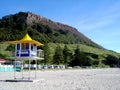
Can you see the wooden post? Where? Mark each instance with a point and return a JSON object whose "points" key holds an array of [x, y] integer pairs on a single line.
{"points": [[36, 69], [29, 70], [22, 70], [15, 69]]}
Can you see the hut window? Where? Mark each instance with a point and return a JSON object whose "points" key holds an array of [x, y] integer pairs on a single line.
{"points": [[18, 46], [25, 46]]}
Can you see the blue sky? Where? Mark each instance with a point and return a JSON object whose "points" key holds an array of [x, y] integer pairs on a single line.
{"points": [[97, 19]]}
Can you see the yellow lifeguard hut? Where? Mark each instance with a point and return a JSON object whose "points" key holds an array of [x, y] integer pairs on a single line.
{"points": [[26, 49]]}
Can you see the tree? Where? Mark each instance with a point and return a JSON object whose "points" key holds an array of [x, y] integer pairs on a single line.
{"points": [[11, 47], [67, 54], [91, 60], [76, 59], [48, 29], [58, 56], [80, 59], [112, 60], [101, 58], [47, 54]]}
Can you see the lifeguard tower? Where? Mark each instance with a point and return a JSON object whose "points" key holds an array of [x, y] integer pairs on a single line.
{"points": [[26, 49]]}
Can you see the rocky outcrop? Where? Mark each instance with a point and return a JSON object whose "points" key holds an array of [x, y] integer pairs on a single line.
{"points": [[33, 18]]}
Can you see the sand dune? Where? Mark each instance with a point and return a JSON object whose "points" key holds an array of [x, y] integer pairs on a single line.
{"points": [[87, 79]]}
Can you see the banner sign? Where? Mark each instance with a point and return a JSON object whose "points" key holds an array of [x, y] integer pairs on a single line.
{"points": [[22, 53]]}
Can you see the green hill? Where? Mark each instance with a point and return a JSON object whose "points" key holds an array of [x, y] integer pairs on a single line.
{"points": [[93, 53], [14, 27], [41, 29]]}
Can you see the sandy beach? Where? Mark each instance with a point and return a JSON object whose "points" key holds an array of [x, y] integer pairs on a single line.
{"points": [[80, 79]]}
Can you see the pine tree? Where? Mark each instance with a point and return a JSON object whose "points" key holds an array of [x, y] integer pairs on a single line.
{"points": [[79, 58], [67, 55], [47, 54], [76, 58], [58, 56]]}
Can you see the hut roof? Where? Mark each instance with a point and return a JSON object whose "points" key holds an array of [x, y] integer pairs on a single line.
{"points": [[26, 39]]}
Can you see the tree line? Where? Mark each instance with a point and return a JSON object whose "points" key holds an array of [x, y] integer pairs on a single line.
{"points": [[78, 57], [68, 55]]}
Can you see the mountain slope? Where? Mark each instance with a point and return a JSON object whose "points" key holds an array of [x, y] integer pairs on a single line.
{"points": [[53, 34], [41, 29], [32, 18]]}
